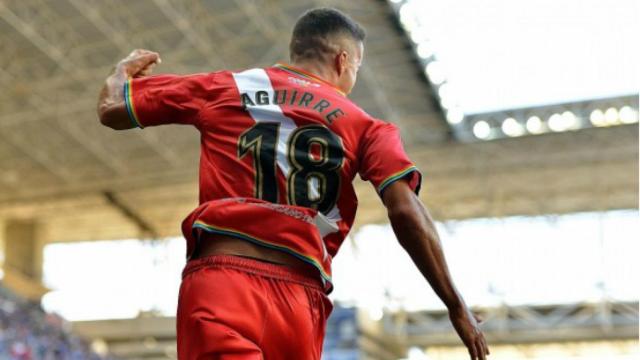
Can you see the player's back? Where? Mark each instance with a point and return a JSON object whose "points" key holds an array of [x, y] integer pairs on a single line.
{"points": [[279, 151], [276, 136]]}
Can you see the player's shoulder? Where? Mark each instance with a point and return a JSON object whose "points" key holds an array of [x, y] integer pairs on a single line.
{"points": [[191, 82], [369, 123], [201, 77], [214, 81], [214, 75]]}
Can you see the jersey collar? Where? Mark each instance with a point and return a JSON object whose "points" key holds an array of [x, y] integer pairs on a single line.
{"points": [[308, 75]]}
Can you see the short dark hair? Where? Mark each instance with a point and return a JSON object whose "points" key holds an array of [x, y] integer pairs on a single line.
{"points": [[315, 27]]}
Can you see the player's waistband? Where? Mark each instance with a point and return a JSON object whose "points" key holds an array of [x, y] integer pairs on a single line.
{"points": [[306, 277]]}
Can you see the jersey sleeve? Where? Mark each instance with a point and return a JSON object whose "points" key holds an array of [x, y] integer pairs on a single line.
{"points": [[384, 160], [168, 99]]}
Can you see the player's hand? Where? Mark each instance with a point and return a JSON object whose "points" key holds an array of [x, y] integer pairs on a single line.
{"points": [[139, 63], [466, 325]]}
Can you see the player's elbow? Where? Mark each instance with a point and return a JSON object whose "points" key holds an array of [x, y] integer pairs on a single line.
{"points": [[403, 215], [115, 117], [103, 114], [412, 224]]}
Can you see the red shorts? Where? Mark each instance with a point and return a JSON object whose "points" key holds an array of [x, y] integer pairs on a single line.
{"points": [[236, 308]]}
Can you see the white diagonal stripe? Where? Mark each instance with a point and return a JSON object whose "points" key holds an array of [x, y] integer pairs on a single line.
{"points": [[253, 80]]}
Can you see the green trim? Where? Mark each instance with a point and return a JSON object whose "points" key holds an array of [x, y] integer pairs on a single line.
{"points": [[128, 101], [292, 70], [399, 175], [243, 236]]}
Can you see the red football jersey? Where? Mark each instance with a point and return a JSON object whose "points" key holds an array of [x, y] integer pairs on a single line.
{"points": [[279, 151]]}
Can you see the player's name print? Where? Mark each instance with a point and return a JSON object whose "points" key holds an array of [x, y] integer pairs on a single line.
{"points": [[293, 98]]}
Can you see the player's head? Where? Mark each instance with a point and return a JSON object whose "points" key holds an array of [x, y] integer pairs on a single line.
{"points": [[332, 39]]}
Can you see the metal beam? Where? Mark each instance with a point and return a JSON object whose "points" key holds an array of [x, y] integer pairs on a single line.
{"points": [[380, 97], [181, 21], [126, 329], [54, 53], [51, 51], [258, 19], [523, 324], [127, 211], [35, 101], [119, 40]]}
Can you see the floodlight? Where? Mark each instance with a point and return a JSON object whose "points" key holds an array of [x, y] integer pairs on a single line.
{"points": [[627, 115], [556, 123], [534, 125], [455, 116], [611, 116], [597, 118], [482, 130], [512, 127], [424, 50], [569, 120], [435, 72]]}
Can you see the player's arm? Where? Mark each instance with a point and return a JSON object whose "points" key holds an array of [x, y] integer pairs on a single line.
{"points": [[112, 109], [417, 234]]}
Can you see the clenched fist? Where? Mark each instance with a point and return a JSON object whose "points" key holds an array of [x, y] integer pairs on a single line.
{"points": [[139, 63]]}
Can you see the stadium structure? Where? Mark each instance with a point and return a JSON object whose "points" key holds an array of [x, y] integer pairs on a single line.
{"points": [[65, 178]]}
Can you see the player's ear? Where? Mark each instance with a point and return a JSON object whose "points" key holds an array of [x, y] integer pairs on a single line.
{"points": [[341, 62]]}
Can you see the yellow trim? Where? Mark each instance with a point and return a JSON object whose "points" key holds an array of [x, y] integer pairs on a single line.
{"points": [[128, 99], [245, 236], [395, 176], [307, 74]]}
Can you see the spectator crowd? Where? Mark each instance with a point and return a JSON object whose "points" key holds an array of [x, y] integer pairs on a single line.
{"points": [[27, 332]]}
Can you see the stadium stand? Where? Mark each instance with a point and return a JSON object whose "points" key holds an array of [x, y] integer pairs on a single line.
{"points": [[27, 332]]}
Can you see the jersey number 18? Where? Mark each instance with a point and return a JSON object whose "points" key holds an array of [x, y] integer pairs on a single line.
{"points": [[262, 139]]}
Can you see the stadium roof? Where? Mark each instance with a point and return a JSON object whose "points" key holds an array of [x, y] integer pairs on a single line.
{"points": [[85, 181]]}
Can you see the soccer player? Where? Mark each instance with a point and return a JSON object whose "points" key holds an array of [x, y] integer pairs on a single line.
{"points": [[280, 147]]}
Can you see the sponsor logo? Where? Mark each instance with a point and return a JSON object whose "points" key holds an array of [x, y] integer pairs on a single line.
{"points": [[283, 209], [303, 82]]}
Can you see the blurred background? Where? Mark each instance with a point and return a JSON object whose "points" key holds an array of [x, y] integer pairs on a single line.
{"points": [[522, 116]]}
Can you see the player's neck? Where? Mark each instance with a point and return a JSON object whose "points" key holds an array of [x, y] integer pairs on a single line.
{"points": [[319, 70]]}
